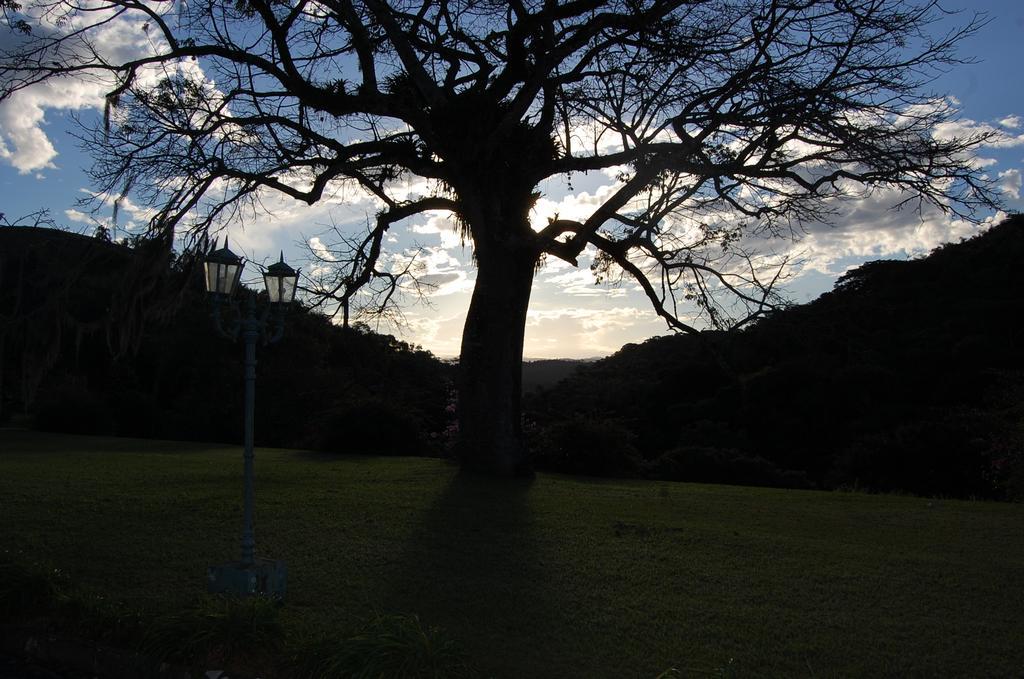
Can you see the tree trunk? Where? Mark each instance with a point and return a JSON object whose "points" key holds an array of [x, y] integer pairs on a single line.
{"points": [[490, 367]]}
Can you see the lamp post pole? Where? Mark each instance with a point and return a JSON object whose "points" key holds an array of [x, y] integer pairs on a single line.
{"points": [[249, 575], [250, 333]]}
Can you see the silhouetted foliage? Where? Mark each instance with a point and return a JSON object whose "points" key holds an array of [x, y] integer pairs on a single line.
{"points": [[71, 409], [907, 376], [70, 361], [705, 464], [589, 446], [372, 426]]}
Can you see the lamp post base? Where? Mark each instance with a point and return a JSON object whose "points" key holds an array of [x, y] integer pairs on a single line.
{"points": [[265, 577]]}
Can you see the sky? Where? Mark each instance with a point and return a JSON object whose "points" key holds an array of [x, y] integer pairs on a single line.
{"points": [[570, 316]]}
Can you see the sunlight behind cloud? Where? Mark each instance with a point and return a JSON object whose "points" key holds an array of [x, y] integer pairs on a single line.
{"points": [[585, 332]]}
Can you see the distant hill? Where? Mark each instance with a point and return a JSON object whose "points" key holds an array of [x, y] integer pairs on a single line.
{"points": [[909, 375], [547, 372]]}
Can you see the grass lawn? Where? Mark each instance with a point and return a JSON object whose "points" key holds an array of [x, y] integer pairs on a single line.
{"points": [[561, 577]]}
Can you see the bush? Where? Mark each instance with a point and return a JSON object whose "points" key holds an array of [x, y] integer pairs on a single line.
{"points": [[220, 630], [710, 433], [705, 464], [587, 446], [372, 426], [136, 415], [73, 410], [24, 592], [945, 457], [36, 595], [98, 619], [692, 463]]}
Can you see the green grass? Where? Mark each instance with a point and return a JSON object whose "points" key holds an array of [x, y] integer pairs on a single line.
{"points": [[561, 577]]}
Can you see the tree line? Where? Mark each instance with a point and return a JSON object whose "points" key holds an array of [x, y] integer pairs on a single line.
{"points": [[83, 353], [908, 376]]}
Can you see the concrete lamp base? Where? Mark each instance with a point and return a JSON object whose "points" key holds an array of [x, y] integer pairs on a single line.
{"points": [[265, 577]]}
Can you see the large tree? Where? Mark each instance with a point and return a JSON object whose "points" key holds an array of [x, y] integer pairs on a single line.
{"points": [[719, 118]]}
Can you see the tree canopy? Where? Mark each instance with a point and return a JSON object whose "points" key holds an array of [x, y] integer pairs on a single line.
{"points": [[720, 119]]}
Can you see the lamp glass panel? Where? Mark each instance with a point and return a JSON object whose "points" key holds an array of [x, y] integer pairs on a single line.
{"points": [[227, 275], [273, 288], [235, 274], [221, 278], [280, 289], [211, 276], [288, 289]]}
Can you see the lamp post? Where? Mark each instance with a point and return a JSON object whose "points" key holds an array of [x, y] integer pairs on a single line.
{"points": [[250, 575]]}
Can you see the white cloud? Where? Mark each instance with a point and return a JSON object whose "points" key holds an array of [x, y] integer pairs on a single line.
{"points": [[1010, 183], [78, 216], [1013, 122], [444, 271], [260, 234], [321, 250], [576, 206], [869, 229], [441, 272], [580, 283], [23, 140], [966, 127], [443, 226]]}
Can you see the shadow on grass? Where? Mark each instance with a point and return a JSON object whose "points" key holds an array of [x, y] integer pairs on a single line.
{"points": [[472, 565]]}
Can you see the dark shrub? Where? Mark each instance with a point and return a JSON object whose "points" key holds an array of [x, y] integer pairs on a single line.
{"points": [[753, 470], [926, 456], [709, 433], [1013, 488], [218, 630], [23, 592], [136, 414], [692, 463], [703, 464], [397, 646], [73, 410], [587, 446], [373, 427]]}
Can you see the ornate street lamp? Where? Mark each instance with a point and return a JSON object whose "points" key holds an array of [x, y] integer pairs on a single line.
{"points": [[280, 280], [223, 269], [249, 575]]}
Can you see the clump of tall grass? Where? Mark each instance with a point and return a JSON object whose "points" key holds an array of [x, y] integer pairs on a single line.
{"points": [[39, 599], [25, 592], [394, 646], [218, 631]]}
